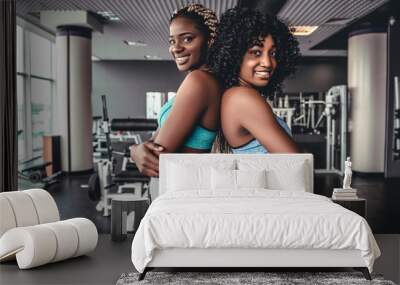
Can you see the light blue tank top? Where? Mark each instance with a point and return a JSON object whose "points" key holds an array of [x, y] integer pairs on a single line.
{"points": [[254, 145], [200, 138]]}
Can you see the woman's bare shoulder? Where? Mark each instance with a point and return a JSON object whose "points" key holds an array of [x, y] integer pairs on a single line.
{"points": [[196, 87], [200, 83], [200, 76], [242, 96]]}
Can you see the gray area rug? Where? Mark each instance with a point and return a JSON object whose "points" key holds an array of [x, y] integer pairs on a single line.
{"points": [[230, 278]]}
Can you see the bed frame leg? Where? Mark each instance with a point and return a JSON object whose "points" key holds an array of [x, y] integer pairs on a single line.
{"points": [[143, 274], [364, 271]]}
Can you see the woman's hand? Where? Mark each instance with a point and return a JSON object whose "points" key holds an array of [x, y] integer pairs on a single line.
{"points": [[145, 156]]}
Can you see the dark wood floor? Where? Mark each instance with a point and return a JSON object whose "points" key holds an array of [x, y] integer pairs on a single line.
{"points": [[383, 199]]}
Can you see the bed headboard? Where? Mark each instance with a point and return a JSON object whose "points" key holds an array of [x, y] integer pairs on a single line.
{"points": [[285, 165]]}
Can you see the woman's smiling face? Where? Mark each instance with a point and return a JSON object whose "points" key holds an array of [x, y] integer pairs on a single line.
{"points": [[187, 44], [259, 64]]}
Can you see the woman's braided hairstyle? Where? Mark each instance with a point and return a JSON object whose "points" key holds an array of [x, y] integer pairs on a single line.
{"points": [[205, 20]]}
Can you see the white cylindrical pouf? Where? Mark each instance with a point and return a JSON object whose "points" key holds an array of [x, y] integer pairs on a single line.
{"points": [[23, 208], [45, 205], [40, 244], [74, 107], [32, 246], [367, 88], [67, 240], [87, 235], [7, 218]]}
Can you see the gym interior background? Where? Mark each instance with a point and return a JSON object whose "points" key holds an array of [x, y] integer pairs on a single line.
{"points": [[343, 100]]}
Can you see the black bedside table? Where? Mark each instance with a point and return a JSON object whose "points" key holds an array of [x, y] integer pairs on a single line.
{"points": [[122, 207], [358, 205]]}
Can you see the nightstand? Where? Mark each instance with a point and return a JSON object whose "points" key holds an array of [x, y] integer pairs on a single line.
{"points": [[358, 205], [126, 214]]}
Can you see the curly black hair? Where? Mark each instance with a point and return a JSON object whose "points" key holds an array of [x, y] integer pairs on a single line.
{"points": [[241, 28]]}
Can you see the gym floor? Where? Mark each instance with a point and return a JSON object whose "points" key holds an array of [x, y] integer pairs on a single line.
{"points": [[103, 266], [111, 259]]}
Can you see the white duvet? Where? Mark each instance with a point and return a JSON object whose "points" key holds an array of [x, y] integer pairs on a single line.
{"points": [[253, 218]]}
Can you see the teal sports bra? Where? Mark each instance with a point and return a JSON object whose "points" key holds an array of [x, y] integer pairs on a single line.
{"points": [[200, 138]]}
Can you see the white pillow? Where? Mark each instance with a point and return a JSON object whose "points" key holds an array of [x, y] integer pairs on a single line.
{"points": [[183, 178], [281, 174], [193, 175], [296, 181], [226, 179], [251, 178], [223, 179]]}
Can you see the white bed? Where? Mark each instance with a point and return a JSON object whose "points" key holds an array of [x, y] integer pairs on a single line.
{"points": [[218, 210]]}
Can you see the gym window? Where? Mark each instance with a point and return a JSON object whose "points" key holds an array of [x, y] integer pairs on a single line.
{"points": [[35, 88]]}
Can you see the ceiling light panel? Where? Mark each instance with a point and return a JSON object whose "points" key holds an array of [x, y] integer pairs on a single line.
{"points": [[152, 57], [135, 44], [109, 16], [302, 30]]}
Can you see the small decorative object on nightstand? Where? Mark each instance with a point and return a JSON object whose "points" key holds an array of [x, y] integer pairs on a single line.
{"points": [[347, 196], [346, 192]]}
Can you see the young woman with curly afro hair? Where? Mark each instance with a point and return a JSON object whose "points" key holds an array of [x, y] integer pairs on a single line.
{"points": [[252, 55], [189, 121]]}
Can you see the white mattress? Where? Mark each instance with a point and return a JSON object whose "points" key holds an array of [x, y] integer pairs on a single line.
{"points": [[252, 218]]}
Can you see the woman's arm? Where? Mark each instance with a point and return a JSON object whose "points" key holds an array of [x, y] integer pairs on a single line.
{"points": [[256, 116], [190, 103], [145, 156]]}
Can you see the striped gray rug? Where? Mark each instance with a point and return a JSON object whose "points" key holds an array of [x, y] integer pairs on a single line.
{"points": [[242, 278]]}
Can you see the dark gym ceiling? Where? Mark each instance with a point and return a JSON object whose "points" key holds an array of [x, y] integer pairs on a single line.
{"points": [[147, 21]]}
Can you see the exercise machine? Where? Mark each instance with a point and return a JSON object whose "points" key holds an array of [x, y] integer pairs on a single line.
{"points": [[36, 174], [130, 184], [336, 135], [332, 122]]}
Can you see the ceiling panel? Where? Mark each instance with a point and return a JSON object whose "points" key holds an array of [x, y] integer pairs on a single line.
{"points": [[318, 13], [147, 21]]}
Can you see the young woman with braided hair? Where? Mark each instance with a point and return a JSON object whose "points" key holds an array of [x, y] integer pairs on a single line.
{"points": [[252, 55], [189, 122]]}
